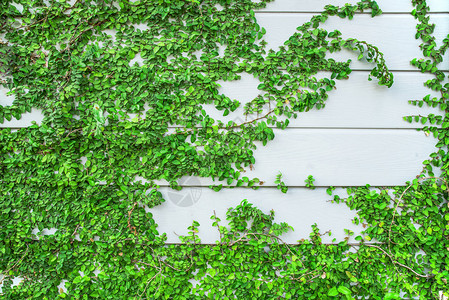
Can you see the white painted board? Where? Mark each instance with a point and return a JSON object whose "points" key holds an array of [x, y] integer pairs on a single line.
{"points": [[394, 35], [356, 103], [358, 138], [339, 157], [299, 207], [344, 157], [387, 6]]}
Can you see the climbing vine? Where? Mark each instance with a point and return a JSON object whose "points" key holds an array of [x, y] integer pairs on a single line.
{"points": [[109, 120]]}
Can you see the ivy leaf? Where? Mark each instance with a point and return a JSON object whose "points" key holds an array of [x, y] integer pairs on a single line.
{"points": [[77, 280], [344, 290], [333, 292]]}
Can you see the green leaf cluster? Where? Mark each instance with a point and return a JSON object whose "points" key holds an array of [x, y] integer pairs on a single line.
{"points": [[114, 129]]}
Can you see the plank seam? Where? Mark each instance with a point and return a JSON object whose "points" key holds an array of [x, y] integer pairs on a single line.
{"points": [[299, 127], [289, 186], [356, 13]]}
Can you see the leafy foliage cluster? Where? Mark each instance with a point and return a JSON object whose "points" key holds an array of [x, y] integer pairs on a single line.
{"points": [[309, 182], [280, 184], [77, 171]]}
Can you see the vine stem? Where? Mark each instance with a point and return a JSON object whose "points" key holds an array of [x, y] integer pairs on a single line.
{"points": [[303, 275], [158, 273], [75, 130], [148, 282], [46, 16], [248, 122], [73, 39], [131, 228], [397, 205], [16, 264], [234, 126], [219, 231], [398, 263], [263, 234], [218, 225], [76, 229]]}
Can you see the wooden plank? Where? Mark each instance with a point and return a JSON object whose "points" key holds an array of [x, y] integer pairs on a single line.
{"points": [[394, 35], [299, 207], [25, 121], [344, 157], [357, 103], [338, 157], [387, 6], [27, 118]]}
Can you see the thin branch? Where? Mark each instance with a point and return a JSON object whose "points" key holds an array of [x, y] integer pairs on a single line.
{"points": [[254, 120], [397, 205], [75, 130], [76, 229], [263, 234], [131, 228], [299, 278], [234, 126], [218, 226], [398, 263], [168, 265], [46, 16], [148, 282], [73, 39], [16, 264], [310, 280]]}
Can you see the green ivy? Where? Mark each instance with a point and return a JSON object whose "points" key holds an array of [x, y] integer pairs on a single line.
{"points": [[280, 184], [77, 170], [309, 182]]}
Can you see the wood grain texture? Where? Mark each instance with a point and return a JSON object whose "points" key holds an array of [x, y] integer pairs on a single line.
{"points": [[338, 157], [388, 6], [394, 35], [299, 207]]}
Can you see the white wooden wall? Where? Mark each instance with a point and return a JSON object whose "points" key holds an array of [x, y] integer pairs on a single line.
{"points": [[358, 138]]}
